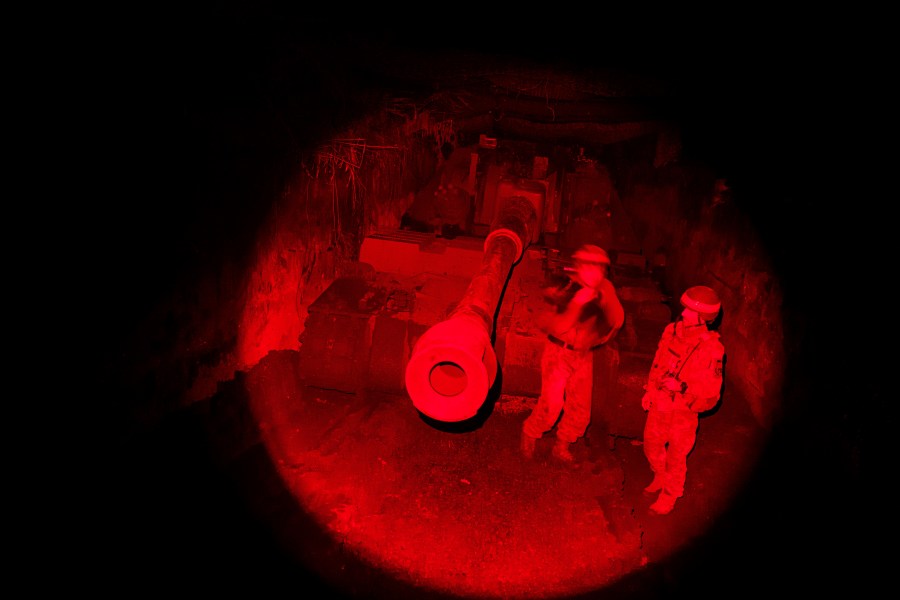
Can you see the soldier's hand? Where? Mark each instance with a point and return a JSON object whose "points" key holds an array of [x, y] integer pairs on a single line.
{"points": [[585, 295], [671, 384]]}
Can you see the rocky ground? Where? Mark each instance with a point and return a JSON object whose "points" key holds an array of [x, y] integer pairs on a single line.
{"points": [[273, 484]]}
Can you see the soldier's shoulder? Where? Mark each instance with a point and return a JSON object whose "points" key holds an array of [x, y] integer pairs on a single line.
{"points": [[713, 341]]}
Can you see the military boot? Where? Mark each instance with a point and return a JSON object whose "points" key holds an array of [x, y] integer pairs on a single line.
{"points": [[664, 504], [561, 452]]}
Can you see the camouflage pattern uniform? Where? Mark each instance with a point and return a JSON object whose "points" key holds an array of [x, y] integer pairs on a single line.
{"points": [[567, 364], [694, 356]]}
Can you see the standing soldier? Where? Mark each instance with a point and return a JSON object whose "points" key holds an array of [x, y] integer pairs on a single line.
{"points": [[685, 380], [583, 313]]}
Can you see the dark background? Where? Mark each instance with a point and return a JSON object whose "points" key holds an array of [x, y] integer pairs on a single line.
{"points": [[200, 110]]}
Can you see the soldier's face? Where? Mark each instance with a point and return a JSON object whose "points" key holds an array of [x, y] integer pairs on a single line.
{"points": [[591, 274], [690, 317]]}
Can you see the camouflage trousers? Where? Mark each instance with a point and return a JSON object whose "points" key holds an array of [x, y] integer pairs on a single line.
{"points": [[567, 378], [669, 437]]}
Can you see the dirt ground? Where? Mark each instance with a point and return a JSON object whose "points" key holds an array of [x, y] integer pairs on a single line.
{"points": [[271, 488], [362, 496]]}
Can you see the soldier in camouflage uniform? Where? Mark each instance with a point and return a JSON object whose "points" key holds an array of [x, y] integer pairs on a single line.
{"points": [[685, 380], [584, 313]]}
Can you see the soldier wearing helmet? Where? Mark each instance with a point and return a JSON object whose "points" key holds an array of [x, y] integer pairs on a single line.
{"points": [[582, 314], [685, 379]]}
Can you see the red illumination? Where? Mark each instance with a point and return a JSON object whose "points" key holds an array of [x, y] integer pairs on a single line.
{"points": [[461, 512], [448, 379]]}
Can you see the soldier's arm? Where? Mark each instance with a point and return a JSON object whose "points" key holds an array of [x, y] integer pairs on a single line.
{"points": [[660, 359], [612, 311]]}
